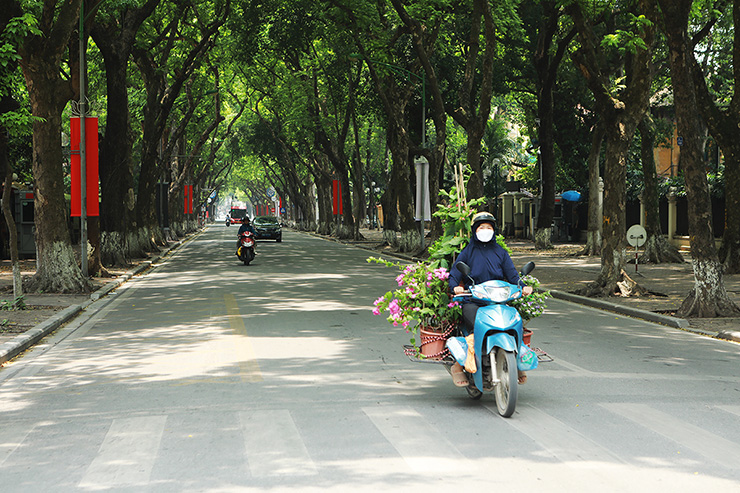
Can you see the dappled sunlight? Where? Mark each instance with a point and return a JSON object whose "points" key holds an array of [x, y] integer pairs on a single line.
{"points": [[312, 306]]}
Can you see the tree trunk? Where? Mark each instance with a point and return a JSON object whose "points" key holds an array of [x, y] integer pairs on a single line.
{"points": [[709, 296], [723, 123], [595, 214], [7, 171], [546, 66], [57, 269], [546, 162], [620, 115], [614, 245], [657, 248], [729, 254]]}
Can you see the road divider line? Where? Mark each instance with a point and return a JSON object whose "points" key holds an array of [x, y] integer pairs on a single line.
{"points": [[249, 369], [127, 454], [711, 446], [274, 446]]}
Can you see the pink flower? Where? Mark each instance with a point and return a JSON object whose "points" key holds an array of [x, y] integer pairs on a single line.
{"points": [[376, 311], [453, 304]]}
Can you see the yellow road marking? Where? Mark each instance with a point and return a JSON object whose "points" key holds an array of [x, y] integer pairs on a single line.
{"points": [[249, 369]]}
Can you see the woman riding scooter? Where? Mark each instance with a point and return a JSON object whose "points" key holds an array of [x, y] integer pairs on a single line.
{"points": [[488, 261]]}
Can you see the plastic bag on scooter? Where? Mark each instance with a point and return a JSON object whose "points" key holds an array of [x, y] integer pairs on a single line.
{"points": [[458, 348], [527, 359]]}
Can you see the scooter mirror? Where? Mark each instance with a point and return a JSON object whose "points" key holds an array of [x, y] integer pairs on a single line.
{"points": [[465, 269], [528, 267]]}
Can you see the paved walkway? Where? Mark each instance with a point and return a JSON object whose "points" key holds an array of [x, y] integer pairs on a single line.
{"points": [[558, 270]]}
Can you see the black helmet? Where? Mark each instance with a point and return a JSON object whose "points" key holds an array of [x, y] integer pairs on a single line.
{"points": [[245, 219], [483, 217]]}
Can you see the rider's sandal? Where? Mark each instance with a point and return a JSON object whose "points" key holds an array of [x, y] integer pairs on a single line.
{"points": [[459, 378], [522, 378]]}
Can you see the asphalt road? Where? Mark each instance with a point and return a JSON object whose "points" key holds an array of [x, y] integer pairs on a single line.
{"points": [[206, 375]]}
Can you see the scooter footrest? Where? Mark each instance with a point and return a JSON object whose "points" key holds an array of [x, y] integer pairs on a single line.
{"points": [[542, 356], [413, 354]]}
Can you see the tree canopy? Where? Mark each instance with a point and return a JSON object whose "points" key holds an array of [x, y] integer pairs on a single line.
{"points": [[331, 103]]}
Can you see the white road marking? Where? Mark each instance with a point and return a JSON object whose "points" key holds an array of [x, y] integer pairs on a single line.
{"points": [[274, 446], [11, 437], [708, 444], [421, 445], [127, 454]]}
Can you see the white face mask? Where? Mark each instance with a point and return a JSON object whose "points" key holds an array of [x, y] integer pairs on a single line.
{"points": [[484, 235]]}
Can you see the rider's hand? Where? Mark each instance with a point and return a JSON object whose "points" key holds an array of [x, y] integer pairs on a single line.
{"points": [[527, 290], [458, 290]]}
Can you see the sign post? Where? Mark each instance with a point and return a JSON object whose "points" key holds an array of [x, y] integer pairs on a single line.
{"points": [[636, 237]]}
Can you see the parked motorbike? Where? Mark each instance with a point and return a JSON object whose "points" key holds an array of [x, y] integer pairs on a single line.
{"points": [[245, 252], [500, 351], [228, 222]]}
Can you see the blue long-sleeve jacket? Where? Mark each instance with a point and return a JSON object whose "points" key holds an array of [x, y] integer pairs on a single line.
{"points": [[487, 261]]}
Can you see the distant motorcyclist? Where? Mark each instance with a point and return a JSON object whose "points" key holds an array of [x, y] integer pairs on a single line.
{"points": [[246, 226]]}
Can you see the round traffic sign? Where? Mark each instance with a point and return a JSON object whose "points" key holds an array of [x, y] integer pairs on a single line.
{"points": [[636, 236]]}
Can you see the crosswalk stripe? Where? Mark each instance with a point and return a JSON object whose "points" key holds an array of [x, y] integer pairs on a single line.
{"points": [[11, 437], [274, 446], [561, 440], [708, 444], [127, 454], [418, 443], [731, 409]]}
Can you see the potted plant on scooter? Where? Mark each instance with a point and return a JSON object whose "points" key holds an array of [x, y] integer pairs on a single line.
{"points": [[420, 304]]}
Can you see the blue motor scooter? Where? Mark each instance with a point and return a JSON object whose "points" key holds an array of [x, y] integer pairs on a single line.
{"points": [[500, 351]]}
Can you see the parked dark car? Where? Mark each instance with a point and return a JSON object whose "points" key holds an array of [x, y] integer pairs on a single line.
{"points": [[268, 227]]}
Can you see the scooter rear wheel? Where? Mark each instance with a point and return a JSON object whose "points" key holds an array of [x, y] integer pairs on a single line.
{"points": [[507, 386]]}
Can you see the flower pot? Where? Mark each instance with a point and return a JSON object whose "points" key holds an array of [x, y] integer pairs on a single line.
{"points": [[526, 336], [432, 342]]}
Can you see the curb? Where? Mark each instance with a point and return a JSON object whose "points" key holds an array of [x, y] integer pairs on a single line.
{"points": [[14, 347], [679, 323]]}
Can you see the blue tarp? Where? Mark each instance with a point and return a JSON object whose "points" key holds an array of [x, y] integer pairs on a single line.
{"points": [[571, 196]]}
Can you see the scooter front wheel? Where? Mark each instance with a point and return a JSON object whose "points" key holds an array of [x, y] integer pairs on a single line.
{"points": [[507, 386]]}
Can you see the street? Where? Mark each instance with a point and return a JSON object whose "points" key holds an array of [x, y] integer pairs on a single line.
{"points": [[208, 375]]}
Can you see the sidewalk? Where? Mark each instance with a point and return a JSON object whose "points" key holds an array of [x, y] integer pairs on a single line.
{"points": [[561, 272]]}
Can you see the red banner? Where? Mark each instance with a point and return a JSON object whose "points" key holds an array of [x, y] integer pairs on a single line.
{"points": [[188, 194], [91, 167], [336, 190]]}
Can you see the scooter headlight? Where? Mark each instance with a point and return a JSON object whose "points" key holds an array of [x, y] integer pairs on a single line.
{"points": [[497, 294]]}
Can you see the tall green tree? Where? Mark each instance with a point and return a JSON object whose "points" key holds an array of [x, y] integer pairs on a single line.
{"points": [[114, 32], [621, 104], [552, 43], [709, 296], [721, 112], [49, 90], [199, 24], [15, 120]]}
